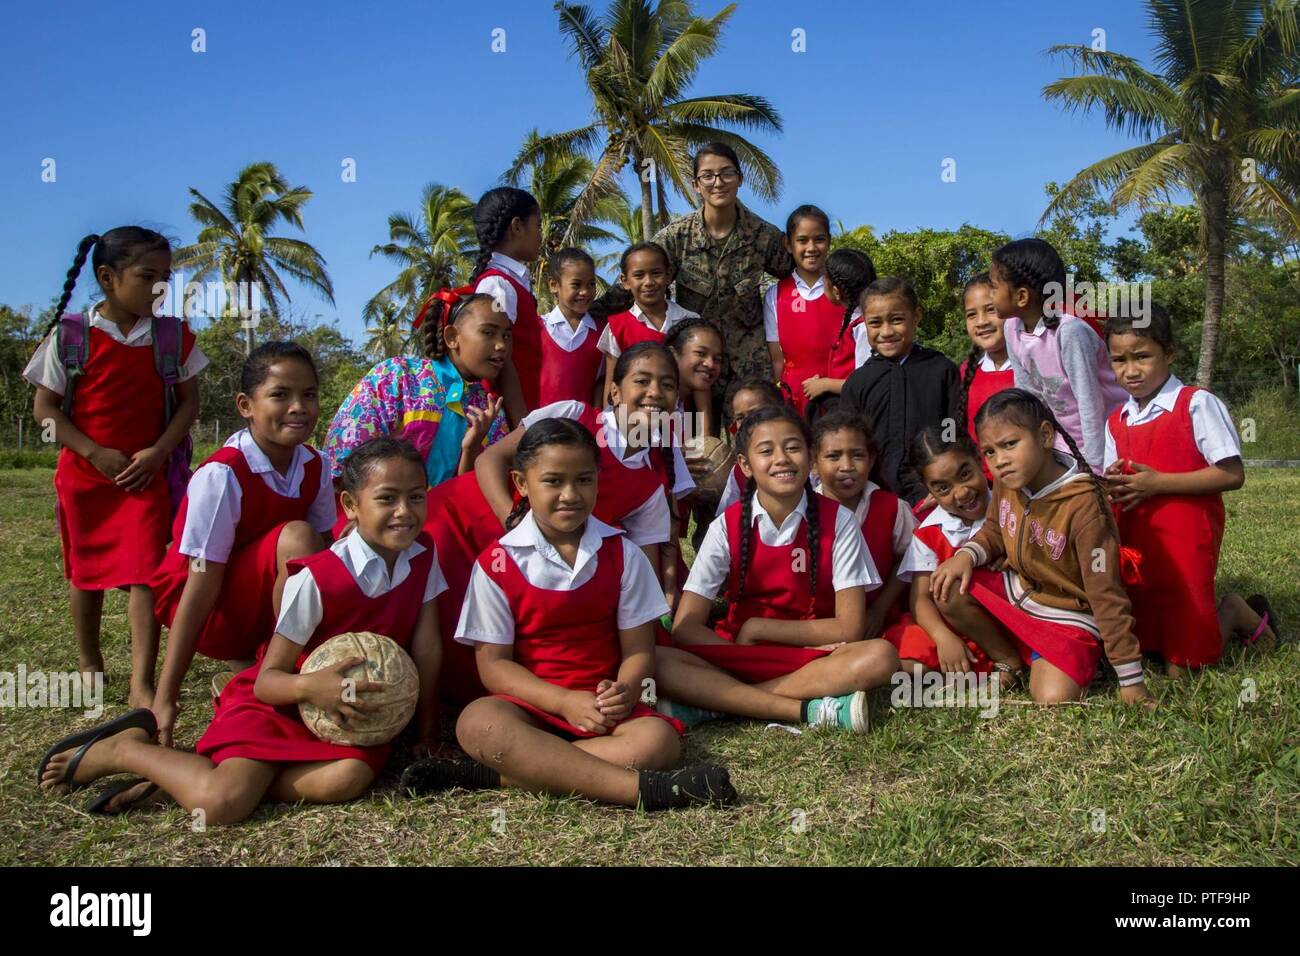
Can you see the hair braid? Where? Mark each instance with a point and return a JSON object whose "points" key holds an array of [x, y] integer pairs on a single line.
{"points": [[493, 213], [1033, 264], [963, 397], [746, 529], [517, 513], [813, 517], [69, 283], [434, 345], [1086, 468]]}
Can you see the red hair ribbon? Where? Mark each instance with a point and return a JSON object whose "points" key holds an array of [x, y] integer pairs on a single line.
{"points": [[448, 296]]}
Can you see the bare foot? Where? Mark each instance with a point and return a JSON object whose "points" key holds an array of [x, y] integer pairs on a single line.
{"points": [[141, 696], [1176, 671], [143, 794], [100, 761]]}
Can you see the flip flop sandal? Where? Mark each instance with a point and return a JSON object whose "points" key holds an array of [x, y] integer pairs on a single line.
{"points": [[1267, 618], [101, 800], [141, 717], [1014, 681]]}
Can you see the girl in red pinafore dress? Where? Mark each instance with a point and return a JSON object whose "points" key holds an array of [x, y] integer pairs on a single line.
{"points": [[381, 577], [573, 367], [467, 513], [1171, 452], [848, 273], [950, 468], [508, 223], [112, 494], [255, 504], [987, 369], [560, 612], [800, 321], [796, 570], [646, 273], [845, 449]]}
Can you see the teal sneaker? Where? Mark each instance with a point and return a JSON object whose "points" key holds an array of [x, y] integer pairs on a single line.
{"points": [[857, 712], [688, 715]]}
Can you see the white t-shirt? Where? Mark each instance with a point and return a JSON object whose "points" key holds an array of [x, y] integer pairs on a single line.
{"points": [[215, 498], [1212, 428], [851, 564], [562, 333], [920, 557], [486, 618], [507, 300], [805, 291], [46, 368], [301, 609], [649, 522], [672, 315]]}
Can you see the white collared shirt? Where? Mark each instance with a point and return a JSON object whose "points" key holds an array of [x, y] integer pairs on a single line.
{"points": [[904, 520], [649, 522], [215, 498], [301, 609], [486, 617], [563, 334], [1212, 428], [672, 315], [503, 292], [920, 557], [851, 564], [988, 365], [805, 291], [46, 367], [862, 349], [1070, 474]]}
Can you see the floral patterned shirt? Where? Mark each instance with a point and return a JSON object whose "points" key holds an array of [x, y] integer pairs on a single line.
{"points": [[416, 398]]}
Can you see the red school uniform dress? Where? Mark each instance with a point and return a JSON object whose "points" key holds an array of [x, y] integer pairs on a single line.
{"points": [[625, 329], [988, 381], [935, 540], [562, 621], [111, 538], [851, 348], [1178, 536], [506, 280], [807, 329], [773, 588], [887, 525], [632, 492], [572, 362], [247, 727], [234, 477]]}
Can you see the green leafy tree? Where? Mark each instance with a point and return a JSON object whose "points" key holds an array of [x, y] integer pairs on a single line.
{"points": [[235, 242], [1220, 119], [638, 59]]}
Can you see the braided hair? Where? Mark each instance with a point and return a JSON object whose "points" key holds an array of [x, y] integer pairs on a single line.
{"points": [[1028, 411], [850, 271], [806, 211], [761, 416], [493, 213], [1033, 264], [974, 355], [679, 336], [117, 249], [933, 441], [569, 255], [358, 465], [439, 317], [623, 366], [548, 431]]}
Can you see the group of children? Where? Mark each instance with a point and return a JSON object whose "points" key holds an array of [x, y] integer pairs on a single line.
{"points": [[886, 511]]}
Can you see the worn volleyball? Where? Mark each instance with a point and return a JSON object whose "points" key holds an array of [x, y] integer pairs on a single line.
{"points": [[394, 703], [713, 450]]}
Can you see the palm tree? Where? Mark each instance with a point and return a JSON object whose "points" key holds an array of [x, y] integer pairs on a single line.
{"points": [[639, 59], [235, 242], [556, 177], [434, 249], [386, 336], [1220, 120]]}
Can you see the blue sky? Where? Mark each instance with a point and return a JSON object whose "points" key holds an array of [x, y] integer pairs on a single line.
{"points": [[413, 92]]}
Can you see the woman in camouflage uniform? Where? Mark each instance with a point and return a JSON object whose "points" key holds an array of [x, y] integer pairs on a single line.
{"points": [[720, 252]]}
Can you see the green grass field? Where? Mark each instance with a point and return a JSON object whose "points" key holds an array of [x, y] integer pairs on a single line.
{"points": [[1211, 778]]}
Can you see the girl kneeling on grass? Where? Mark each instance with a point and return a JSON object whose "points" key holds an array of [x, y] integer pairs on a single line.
{"points": [[561, 612], [1061, 592], [383, 577], [790, 646]]}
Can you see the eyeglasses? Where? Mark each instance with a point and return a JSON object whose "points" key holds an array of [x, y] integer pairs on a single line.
{"points": [[709, 177]]}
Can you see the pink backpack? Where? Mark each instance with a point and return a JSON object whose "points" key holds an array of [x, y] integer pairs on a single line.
{"points": [[73, 343]]}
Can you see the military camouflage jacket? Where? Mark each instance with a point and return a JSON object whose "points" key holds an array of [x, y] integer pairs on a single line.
{"points": [[722, 281]]}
